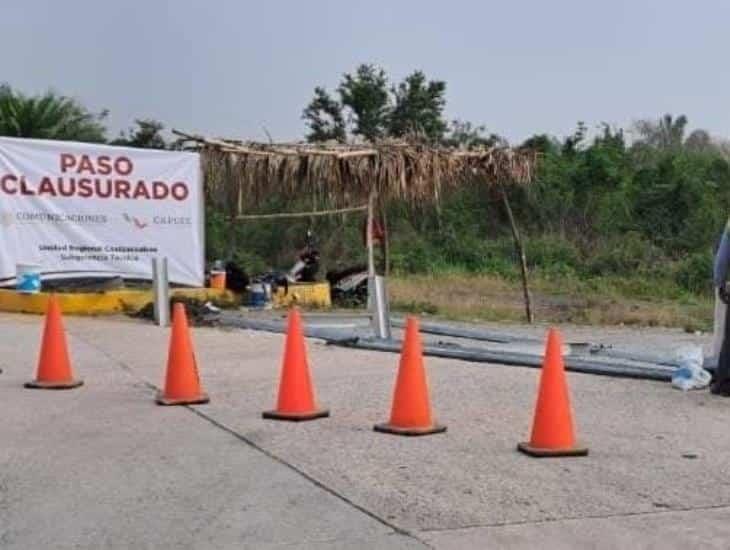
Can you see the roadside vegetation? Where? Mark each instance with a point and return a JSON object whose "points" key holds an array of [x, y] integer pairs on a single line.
{"points": [[619, 224]]}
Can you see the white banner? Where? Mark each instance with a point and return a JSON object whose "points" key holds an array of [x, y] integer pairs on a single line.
{"points": [[79, 209]]}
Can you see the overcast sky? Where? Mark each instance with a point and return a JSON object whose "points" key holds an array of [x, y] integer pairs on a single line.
{"points": [[231, 68]]}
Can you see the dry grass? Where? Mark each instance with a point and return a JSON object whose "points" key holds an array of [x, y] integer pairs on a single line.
{"points": [[240, 174], [490, 298]]}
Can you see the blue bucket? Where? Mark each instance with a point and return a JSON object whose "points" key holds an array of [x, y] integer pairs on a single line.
{"points": [[257, 295], [28, 278]]}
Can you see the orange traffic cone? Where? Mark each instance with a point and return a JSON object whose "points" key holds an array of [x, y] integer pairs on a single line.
{"points": [[296, 396], [552, 428], [54, 366], [411, 411], [182, 383]]}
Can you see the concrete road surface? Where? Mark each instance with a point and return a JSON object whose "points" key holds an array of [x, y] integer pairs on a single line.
{"points": [[104, 467]]}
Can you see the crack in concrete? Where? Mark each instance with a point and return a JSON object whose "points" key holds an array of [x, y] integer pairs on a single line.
{"points": [[307, 476], [317, 483], [575, 518]]}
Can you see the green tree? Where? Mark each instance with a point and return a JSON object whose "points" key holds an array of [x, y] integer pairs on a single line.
{"points": [[579, 189], [541, 143], [145, 136], [666, 133], [576, 140], [48, 116], [366, 95], [465, 135], [699, 141], [681, 201], [419, 106], [324, 118], [368, 108]]}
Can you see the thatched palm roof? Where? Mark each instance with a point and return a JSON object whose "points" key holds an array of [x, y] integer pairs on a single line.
{"points": [[344, 175]]}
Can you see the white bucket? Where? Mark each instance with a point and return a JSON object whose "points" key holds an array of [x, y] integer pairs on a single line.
{"points": [[28, 278]]}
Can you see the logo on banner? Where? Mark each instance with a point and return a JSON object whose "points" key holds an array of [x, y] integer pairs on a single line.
{"points": [[135, 221]]}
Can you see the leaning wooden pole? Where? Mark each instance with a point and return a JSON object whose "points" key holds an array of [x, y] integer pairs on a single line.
{"points": [[519, 247]]}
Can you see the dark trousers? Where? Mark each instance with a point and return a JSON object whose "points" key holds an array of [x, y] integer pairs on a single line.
{"points": [[722, 374]]}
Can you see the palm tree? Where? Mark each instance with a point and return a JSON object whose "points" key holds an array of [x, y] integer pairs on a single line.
{"points": [[48, 116], [669, 134], [664, 133]]}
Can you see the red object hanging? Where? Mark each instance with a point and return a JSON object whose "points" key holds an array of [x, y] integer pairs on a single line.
{"points": [[378, 232]]}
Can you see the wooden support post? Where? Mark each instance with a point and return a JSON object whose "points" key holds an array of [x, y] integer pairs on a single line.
{"points": [[231, 230], [233, 210], [520, 252]]}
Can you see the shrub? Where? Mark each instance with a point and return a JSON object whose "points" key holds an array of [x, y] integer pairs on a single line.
{"points": [[694, 273], [623, 255], [552, 252]]}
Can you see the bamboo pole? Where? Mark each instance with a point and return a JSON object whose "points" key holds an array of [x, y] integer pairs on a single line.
{"points": [[519, 247], [300, 214], [229, 223], [274, 150]]}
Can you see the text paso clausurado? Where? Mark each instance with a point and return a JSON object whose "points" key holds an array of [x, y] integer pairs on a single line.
{"points": [[82, 177]]}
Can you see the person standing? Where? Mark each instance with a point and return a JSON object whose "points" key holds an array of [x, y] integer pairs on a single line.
{"points": [[721, 338]]}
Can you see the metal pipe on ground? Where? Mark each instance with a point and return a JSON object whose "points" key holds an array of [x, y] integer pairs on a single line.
{"points": [[641, 357], [463, 332], [354, 340], [333, 336], [587, 348], [521, 359]]}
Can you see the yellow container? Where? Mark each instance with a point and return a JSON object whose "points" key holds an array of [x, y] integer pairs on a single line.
{"points": [[304, 294], [101, 303]]}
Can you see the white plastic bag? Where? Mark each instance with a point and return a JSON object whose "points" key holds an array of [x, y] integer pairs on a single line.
{"points": [[690, 374]]}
